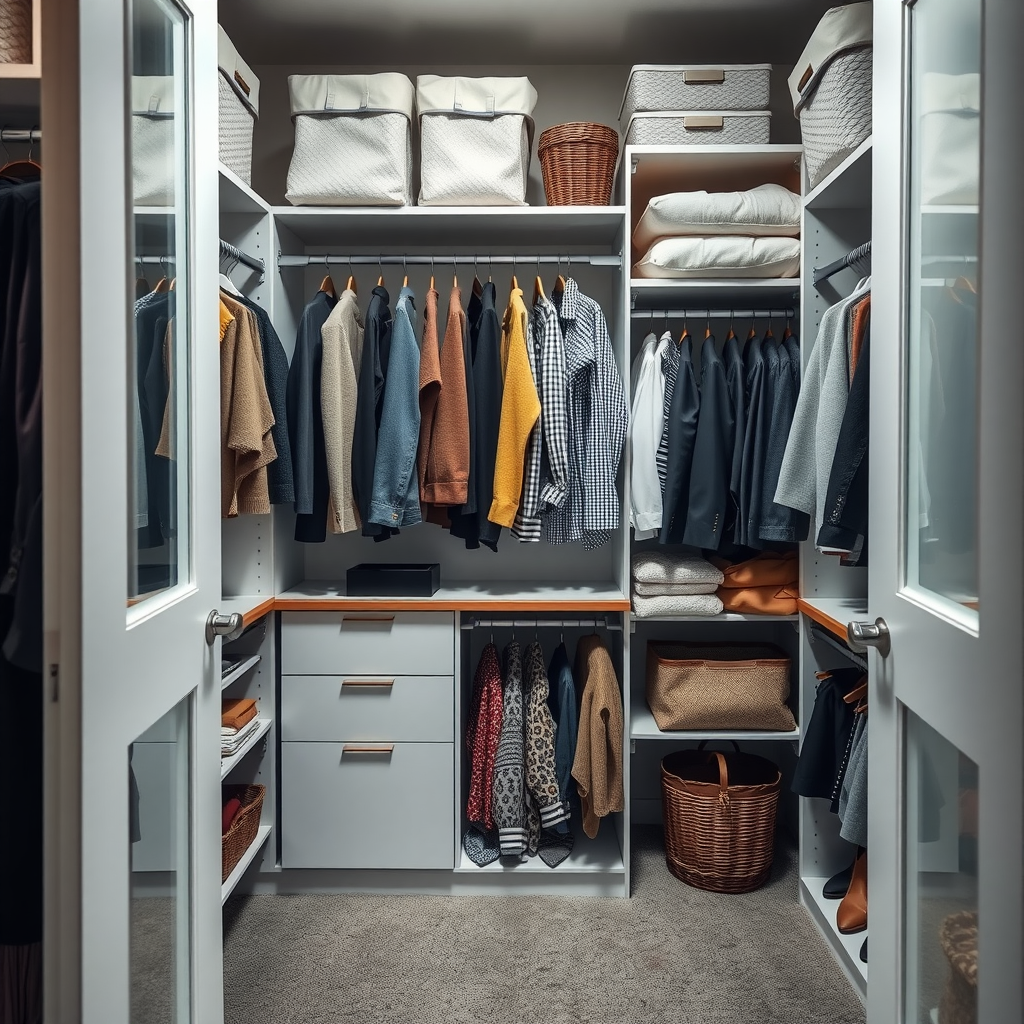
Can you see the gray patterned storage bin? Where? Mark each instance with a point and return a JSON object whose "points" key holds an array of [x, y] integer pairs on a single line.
{"points": [[831, 89], [695, 87], [699, 128], [238, 95]]}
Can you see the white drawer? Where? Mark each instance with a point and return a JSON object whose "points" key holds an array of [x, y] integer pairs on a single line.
{"points": [[389, 708], [370, 643], [348, 806]]}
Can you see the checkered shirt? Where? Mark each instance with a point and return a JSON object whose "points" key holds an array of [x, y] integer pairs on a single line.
{"points": [[598, 419]]}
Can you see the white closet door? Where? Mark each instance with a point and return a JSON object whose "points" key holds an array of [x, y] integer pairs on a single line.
{"points": [[132, 531], [947, 503]]}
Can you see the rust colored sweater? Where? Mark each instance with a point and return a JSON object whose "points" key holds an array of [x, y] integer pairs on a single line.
{"points": [[444, 459]]}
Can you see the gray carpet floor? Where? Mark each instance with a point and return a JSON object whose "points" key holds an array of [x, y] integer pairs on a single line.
{"points": [[669, 954]]}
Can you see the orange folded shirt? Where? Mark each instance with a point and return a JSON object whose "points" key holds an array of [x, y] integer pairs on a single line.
{"points": [[236, 713], [770, 600], [763, 570]]}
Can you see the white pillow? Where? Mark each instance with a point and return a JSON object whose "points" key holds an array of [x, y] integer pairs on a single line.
{"points": [[765, 210], [721, 256]]}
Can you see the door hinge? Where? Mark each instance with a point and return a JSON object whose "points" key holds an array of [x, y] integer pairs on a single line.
{"points": [[54, 683]]}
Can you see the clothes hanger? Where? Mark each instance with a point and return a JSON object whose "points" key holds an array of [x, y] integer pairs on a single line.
{"points": [[560, 280], [707, 329], [351, 285], [515, 283], [787, 333], [431, 273], [538, 289], [227, 284], [753, 333], [732, 333], [768, 333], [20, 168], [455, 272], [684, 335], [405, 273], [163, 284], [858, 693], [380, 267], [478, 288], [141, 284]]}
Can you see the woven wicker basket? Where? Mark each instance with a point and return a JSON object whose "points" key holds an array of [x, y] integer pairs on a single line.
{"points": [[719, 812], [578, 163], [243, 829]]}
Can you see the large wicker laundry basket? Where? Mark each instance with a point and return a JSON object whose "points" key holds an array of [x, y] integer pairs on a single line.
{"points": [[719, 811]]}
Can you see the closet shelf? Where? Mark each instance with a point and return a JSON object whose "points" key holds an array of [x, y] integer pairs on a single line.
{"points": [[723, 617], [834, 612], [661, 169], [511, 596], [237, 197], [642, 726], [589, 856], [238, 670], [771, 293], [845, 947], [247, 858], [848, 187], [229, 763], [487, 228], [251, 608]]}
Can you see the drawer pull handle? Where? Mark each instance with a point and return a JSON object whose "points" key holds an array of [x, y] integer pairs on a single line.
{"points": [[379, 683], [368, 618], [387, 748]]}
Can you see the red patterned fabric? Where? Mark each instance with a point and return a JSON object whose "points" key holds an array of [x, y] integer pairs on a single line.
{"points": [[482, 734]]}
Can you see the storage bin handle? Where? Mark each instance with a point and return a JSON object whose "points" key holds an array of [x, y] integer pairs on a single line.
{"points": [[723, 770], [694, 76], [382, 683], [702, 123]]}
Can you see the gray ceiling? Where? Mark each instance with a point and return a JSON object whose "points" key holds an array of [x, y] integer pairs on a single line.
{"points": [[446, 32]]}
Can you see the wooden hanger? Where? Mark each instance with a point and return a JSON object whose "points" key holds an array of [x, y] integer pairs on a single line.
{"points": [[405, 271], [351, 285], [21, 168], [707, 328], [787, 333], [560, 279], [163, 285], [327, 285], [859, 692], [538, 290]]}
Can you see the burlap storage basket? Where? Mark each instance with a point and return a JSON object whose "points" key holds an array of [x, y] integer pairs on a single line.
{"points": [[243, 829], [719, 686], [958, 937], [719, 812]]}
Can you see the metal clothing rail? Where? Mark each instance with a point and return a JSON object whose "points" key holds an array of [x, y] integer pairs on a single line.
{"points": [[859, 259], [24, 135], [391, 260], [605, 622], [712, 314], [830, 641], [254, 263]]}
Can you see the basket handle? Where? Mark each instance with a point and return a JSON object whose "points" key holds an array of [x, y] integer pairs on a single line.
{"points": [[723, 771]]}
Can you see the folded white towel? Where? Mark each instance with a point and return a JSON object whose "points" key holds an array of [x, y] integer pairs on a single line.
{"points": [[673, 589], [695, 604], [662, 567], [229, 744]]}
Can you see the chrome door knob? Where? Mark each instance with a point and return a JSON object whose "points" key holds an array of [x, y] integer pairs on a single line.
{"points": [[862, 635], [228, 626]]}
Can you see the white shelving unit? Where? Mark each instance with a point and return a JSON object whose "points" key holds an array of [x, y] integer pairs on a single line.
{"points": [[644, 727], [589, 856], [247, 858], [723, 617], [848, 185], [845, 948], [238, 670], [229, 763]]}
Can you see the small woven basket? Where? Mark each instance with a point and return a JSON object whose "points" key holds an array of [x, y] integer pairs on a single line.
{"points": [[719, 812], [243, 829], [578, 163]]}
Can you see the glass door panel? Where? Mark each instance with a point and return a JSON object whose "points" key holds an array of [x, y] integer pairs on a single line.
{"points": [[159, 343], [941, 542]]}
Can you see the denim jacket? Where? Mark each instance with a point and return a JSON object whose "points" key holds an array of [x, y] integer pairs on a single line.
{"points": [[395, 500]]}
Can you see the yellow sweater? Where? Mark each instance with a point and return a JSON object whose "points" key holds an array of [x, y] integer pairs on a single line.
{"points": [[520, 409]]}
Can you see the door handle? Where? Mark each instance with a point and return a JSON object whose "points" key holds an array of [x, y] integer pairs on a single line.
{"points": [[862, 635], [228, 626]]}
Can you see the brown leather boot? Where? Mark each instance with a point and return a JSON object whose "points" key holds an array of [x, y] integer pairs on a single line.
{"points": [[852, 915]]}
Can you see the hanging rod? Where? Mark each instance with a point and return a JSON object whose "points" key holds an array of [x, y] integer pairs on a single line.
{"points": [[712, 314], [27, 135], [254, 263], [830, 641], [605, 622], [155, 259], [860, 255], [595, 260]]}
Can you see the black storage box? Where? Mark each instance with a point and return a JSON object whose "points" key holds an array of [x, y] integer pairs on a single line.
{"points": [[393, 579]]}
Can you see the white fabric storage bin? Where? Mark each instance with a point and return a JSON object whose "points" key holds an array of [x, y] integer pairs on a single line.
{"points": [[699, 128], [695, 87], [352, 140], [476, 135], [238, 93], [153, 140], [950, 138], [831, 89]]}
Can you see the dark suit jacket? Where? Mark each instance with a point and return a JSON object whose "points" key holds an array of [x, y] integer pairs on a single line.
{"points": [[712, 454], [682, 435]]}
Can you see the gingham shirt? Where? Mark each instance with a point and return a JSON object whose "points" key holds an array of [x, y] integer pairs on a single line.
{"points": [[546, 482], [598, 418]]}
